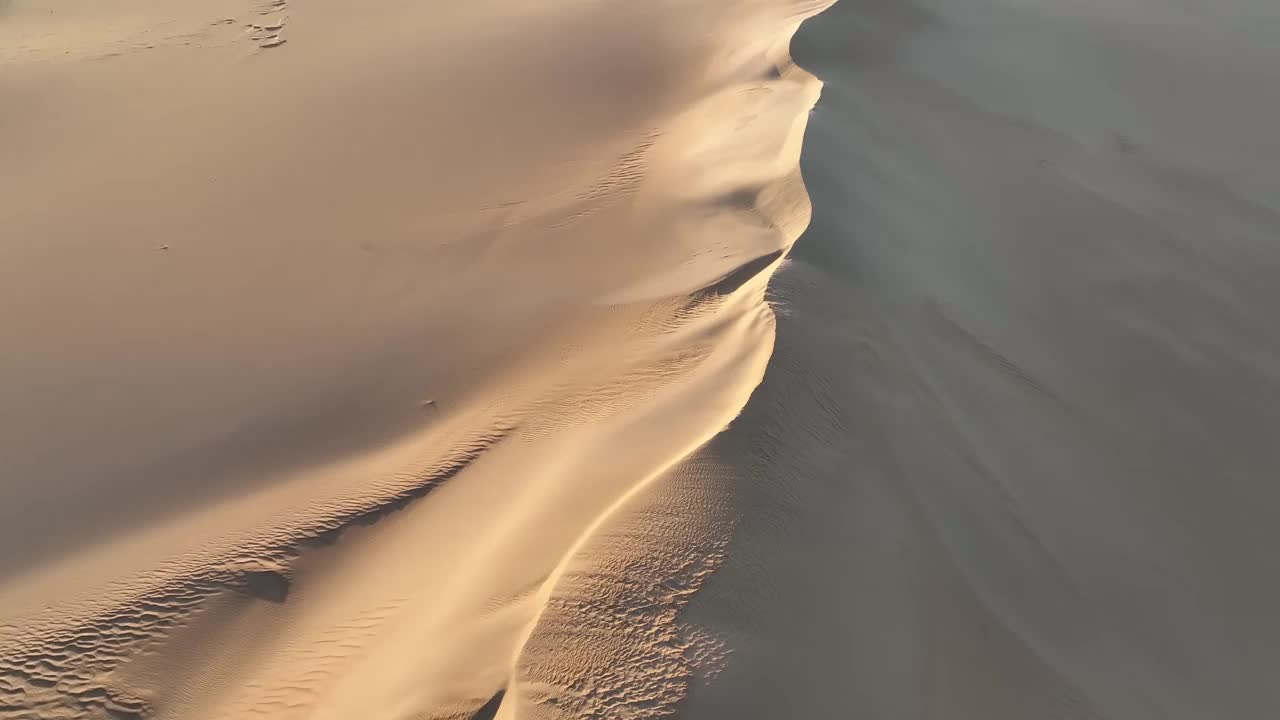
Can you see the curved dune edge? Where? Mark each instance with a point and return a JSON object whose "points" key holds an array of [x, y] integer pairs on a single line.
{"points": [[535, 542], [623, 590], [1006, 461]]}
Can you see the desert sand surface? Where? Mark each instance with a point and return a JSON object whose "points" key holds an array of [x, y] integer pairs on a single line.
{"points": [[562, 359]]}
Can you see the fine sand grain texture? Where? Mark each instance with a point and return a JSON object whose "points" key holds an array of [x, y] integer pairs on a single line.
{"points": [[448, 360], [355, 353], [1015, 454]]}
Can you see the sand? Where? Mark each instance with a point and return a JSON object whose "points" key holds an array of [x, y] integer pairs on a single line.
{"points": [[453, 360]]}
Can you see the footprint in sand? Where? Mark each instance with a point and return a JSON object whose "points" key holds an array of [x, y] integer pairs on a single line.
{"points": [[269, 33]]}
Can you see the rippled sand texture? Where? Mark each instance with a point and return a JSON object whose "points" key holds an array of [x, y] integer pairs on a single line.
{"points": [[439, 361], [357, 355]]}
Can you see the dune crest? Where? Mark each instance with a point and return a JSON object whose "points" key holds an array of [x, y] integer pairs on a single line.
{"points": [[419, 332]]}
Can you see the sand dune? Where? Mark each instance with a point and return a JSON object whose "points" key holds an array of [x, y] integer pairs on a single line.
{"points": [[1013, 456], [353, 340], [453, 360]]}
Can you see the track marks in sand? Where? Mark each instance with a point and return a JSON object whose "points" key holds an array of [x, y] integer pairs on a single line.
{"points": [[269, 31], [47, 31]]}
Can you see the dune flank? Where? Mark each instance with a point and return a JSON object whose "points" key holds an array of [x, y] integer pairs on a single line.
{"points": [[565, 359], [363, 349], [1013, 456]]}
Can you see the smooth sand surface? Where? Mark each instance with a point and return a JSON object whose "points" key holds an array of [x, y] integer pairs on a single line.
{"points": [[452, 360], [1015, 454]]}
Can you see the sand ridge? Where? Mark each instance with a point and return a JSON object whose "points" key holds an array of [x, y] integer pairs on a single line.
{"points": [[387, 400], [456, 361]]}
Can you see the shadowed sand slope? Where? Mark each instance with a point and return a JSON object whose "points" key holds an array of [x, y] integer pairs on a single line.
{"points": [[1015, 452], [442, 361], [355, 353]]}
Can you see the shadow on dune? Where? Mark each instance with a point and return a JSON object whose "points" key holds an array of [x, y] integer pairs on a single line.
{"points": [[1011, 458]]}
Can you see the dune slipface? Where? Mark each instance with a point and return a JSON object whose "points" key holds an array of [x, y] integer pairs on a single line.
{"points": [[1014, 455], [452, 361], [358, 357]]}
